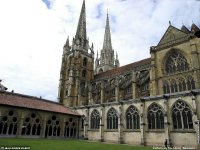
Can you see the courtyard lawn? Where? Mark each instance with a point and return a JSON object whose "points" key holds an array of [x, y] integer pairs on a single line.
{"points": [[52, 144]]}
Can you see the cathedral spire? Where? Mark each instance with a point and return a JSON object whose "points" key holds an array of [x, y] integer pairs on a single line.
{"points": [[81, 34], [107, 45]]}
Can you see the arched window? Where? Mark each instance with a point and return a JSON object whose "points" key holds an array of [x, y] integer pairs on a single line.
{"points": [[70, 128], [8, 123], [182, 85], [166, 87], [112, 119], [132, 118], [182, 116], [31, 125], [95, 119], [155, 117], [176, 62], [190, 83], [85, 61], [174, 86], [52, 126]]}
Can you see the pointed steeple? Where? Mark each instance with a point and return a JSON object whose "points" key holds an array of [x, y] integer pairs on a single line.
{"points": [[107, 45], [81, 34], [67, 42]]}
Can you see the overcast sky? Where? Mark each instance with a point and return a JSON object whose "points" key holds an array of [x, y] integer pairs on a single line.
{"points": [[33, 32]]}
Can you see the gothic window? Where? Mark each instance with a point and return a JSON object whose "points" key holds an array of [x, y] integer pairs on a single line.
{"points": [[95, 120], [52, 126], [8, 123], [166, 87], [70, 128], [112, 119], [182, 116], [31, 125], [176, 62], [155, 117], [182, 85], [85, 61], [128, 90], [174, 86], [132, 118], [190, 83]]}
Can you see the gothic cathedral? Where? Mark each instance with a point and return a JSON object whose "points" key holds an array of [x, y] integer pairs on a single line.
{"points": [[147, 102]]}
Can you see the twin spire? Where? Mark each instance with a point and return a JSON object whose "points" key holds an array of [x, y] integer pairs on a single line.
{"points": [[81, 33]]}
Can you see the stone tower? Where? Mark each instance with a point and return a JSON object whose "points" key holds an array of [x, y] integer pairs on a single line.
{"points": [[77, 67], [107, 60]]}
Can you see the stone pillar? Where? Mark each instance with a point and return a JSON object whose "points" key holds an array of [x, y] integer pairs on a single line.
{"points": [[134, 88], [62, 128], [90, 94], [196, 118], [166, 121], [120, 125], [142, 122], [117, 90], [195, 63], [102, 92], [153, 87], [102, 121], [76, 100], [20, 125], [86, 123], [44, 127]]}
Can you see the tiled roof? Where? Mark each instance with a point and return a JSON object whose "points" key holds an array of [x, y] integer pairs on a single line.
{"points": [[24, 101], [123, 68]]}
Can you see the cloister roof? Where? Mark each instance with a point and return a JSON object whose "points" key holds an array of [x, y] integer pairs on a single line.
{"points": [[25, 101]]}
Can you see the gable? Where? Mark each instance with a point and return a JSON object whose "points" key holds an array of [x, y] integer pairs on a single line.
{"points": [[172, 34]]}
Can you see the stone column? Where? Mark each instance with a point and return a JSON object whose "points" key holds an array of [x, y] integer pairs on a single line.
{"points": [[120, 125], [102, 121], [102, 92], [62, 128], [166, 121], [117, 90], [90, 94], [195, 63], [196, 118], [20, 125], [76, 100], [142, 122], [86, 123], [44, 127], [153, 87], [134, 88]]}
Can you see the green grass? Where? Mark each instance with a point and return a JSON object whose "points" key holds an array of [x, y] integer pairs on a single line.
{"points": [[55, 144]]}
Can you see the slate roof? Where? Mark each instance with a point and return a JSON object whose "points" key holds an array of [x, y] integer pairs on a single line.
{"points": [[25, 101], [122, 69]]}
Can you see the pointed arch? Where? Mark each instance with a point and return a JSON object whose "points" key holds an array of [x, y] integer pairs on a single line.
{"points": [[95, 119], [132, 118], [176, 62], [190, 82], [182, 115], [155, 116], [166, 87], [112, 119]]}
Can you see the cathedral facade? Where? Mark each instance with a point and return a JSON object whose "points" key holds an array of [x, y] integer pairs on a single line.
{"points": [[147, 102]]}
